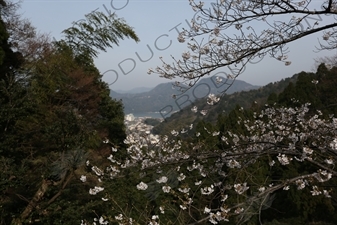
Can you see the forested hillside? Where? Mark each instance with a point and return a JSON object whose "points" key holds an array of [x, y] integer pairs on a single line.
{"points": [[55, 113], [265, 156], [269, 163], [296, 207], [228, 102]]}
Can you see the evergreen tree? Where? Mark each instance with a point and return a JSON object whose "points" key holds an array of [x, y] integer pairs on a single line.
{"points": [[55, 113]]}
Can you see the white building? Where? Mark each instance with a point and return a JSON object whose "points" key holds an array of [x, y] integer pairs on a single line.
{"points": [[129, 117]]}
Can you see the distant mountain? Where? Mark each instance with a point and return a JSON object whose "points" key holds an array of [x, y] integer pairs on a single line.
{"points": [[151, 101], [228, 102], [160, 98], [136, 90]]}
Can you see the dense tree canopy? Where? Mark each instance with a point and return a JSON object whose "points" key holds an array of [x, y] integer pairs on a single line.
{"points": [[270, 164], [55, 112]]}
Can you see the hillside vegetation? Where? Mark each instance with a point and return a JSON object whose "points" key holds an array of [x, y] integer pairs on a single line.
{"points": [[228, 101], [213, 129], [263, 156]]}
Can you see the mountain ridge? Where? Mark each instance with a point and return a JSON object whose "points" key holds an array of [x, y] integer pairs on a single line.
{"points": [[160, 98], [228, 102], [135, 90]]}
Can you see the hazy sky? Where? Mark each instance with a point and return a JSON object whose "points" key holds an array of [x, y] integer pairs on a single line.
{"points": [[154, 22]]}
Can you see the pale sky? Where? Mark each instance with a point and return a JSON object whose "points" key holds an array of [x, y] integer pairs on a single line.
{"points": [[155, 20]]}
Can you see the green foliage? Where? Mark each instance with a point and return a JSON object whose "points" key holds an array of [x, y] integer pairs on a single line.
{"points": [[293, 206], [152, 121], [317, 88], [53, 119], [97, 32], [283, 207]]}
